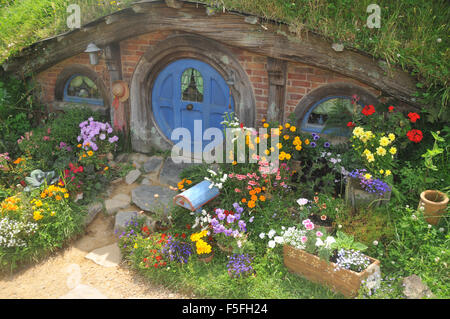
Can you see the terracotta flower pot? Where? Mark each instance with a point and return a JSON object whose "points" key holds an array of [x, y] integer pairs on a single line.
{"points": [[434, 205], [207, 258], [228, 249], [159, 227]]}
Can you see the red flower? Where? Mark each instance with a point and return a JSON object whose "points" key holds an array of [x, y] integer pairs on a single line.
{"points": [[391, 108], [242, 125], [351, 124], [415, 135], [188, 226], [368, 110], [23, 183], [183, 235], [413, 117]]}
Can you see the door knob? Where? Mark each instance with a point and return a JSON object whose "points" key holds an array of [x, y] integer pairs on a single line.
{"points": [[189, 107]]}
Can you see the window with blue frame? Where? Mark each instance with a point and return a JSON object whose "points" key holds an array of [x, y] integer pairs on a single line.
{"points": [[81, 89], [316, 120]]}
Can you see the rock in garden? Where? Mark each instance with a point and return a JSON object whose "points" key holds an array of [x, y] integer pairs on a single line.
{"points": [[138, 157], [338, 47], [108, 256], [415, 288], [116, 203], [153, 164], [93, 210], [121, 158], [132, 176], [122, 220], [144, 197], [84, 292], [170, 172]]}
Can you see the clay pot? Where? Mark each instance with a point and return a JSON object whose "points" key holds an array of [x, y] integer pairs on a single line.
{"points": [[159, 227], [206, 259], [434, 205], [225, 249]]}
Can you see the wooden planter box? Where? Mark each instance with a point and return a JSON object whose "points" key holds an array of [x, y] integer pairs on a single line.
{"points": [[318, 270], [359, 198]]}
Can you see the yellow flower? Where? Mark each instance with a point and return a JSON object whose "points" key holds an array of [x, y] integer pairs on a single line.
{"points": [[234, 163], [358, 131], [267, 152], [37, 215], [293, 128], [384, 141], [276, 132], [66, 195], [52, 213], [367, 176], [266, 125], [280, 128], [135, 245], [370, 158], [90, 153], [266, 136], [366, 151], [391, 137], [307, 141], [279, 146], [38, 203], [393, 150], [387, 173], [281, 156], [286, 137], [257, 140], [381, 151], [298, 147], [288, 156], [251, 146], [272, 149], [381, 171], [287, 125]]}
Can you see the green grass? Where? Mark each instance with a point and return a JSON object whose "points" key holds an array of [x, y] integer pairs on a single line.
{"points": [[408, 37]]}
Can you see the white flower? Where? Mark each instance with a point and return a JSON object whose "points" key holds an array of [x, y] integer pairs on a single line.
{"points": [[439, 40], [271, 244], [441, 229], [271, 233], [329, 241], [319, 242], [262, 235], [436, 259], [339, 226], [429, 226], [375, 242], [278, 239], [302, 201]]}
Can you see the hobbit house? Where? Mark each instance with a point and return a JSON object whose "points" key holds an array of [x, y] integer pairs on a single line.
{"points": [[181, 61]]}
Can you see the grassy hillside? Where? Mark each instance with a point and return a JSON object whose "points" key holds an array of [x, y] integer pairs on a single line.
{"points": [[413, 33]]}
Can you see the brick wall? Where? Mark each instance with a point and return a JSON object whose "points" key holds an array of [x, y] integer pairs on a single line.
{"points": [[301, 79], [47, 78]]}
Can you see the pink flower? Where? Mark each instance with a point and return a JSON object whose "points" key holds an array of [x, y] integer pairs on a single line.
{"points": [[231, 175], [46, 138], [309, 226], [249, 187], [306, 221], [304, 239], [252, 183], [237, 190], [278, 177], [49, 130], [319, 234]]}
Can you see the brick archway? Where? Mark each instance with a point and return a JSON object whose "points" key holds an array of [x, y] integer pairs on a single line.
{"points": [[145, 133]]}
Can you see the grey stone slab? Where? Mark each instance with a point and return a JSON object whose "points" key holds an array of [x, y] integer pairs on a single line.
{"points": [[93, 210], [153, 164], [144, 197], [108, 256], [171, 171], [122, 220], [116, 203], [414, 288], [132, 176]]}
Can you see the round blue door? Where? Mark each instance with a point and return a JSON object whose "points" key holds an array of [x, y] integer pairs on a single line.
{"points": [[188, 90]]}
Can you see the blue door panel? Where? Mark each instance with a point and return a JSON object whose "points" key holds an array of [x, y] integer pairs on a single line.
{"points": [[171, 111]]}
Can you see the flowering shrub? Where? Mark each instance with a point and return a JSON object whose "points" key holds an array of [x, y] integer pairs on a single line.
{"points": [[240, 265], [351, 260], [217, 179], [370, 184], [202, 247], [229, 227], [97, 136], [15, 233], [177, 250]]}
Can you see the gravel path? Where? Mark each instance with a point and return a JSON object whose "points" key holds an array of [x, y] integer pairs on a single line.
{"points": [[56, 276]]}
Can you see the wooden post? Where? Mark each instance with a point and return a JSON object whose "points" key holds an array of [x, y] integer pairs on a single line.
{"points": [[114, 64], [276, 70]]}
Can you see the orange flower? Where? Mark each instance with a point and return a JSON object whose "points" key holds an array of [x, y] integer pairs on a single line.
{"points": [[18, 161], [251, 204], [106, 168], [258, 190], [188, 182], [262, 198], [252, 192], [244, 200], [254, 198], [58, 197]]}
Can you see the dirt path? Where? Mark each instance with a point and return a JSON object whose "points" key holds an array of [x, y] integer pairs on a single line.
{"points": [[57, 275]]}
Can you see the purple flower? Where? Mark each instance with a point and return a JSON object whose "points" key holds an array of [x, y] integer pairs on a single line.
{"points": [[221, 216], [102, 136], [228, 232], [251, 219], [113, 139], [242, 225], [326, 144], [313, 144], [237, 216], [230, 219], [214, 222]]}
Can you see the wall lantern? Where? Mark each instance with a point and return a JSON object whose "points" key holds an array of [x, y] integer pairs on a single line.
{"points": [[93, 51]]}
